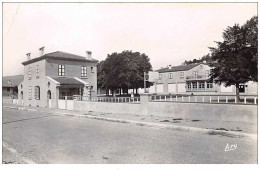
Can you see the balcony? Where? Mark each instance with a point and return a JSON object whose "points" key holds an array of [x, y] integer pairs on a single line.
{"points": [[198, 77]]}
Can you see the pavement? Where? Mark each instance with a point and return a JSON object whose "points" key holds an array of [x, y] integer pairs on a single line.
{"points": [[243, 129], [41, 137]]}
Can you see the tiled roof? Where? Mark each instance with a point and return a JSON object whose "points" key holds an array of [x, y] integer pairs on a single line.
{"points": [[67, 81], [12, 81], [177, 68], [60, 56]]}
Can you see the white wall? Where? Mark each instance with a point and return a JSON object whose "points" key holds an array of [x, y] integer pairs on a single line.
{"points": [[226, 89]]}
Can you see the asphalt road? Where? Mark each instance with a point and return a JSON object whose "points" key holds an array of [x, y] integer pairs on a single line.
{"points": [[46, 138]]}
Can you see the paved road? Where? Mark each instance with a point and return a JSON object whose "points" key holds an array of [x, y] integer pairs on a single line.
{"points": [[47, 138]]}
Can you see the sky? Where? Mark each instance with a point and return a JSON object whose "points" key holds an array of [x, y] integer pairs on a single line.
{"points": [[169, 33]]}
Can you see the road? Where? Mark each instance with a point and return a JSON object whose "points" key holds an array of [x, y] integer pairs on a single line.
{"points": [[46, 138]]}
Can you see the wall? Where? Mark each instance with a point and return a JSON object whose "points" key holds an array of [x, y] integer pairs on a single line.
{"points": [[73, 69], [107, 107], [223, 112], [34, 82], [213, 112]]}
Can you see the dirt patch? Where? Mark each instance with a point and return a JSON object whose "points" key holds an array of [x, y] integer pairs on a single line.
{"points": [[195, 120], [165, 121], [236, 130], [222, 129], [105, 158]]}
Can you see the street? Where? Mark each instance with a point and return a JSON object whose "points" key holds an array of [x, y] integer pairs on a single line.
{"points": [[47, 138]]}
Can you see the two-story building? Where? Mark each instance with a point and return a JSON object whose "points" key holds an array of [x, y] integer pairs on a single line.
{"points": [[53, 76], [193, 78]]}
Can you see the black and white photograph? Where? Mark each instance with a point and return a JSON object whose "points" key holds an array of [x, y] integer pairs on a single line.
{"points": [[130, 83]]}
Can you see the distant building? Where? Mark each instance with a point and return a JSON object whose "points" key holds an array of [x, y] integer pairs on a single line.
{"points": [[53, 76], [193, 78], [10, 85]]}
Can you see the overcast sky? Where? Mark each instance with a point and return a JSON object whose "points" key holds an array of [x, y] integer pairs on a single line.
{"points": [[169, 33]]}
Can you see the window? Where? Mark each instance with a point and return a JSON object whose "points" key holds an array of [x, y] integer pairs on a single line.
{"points": [[37, 71], [30, 92], [189, 86], [182, 75], [37, 92], [170, 75], [194, 85], [160, 76], [30, 73], [201, 85], [92, 70], [61, 70], [209, 85], [206, 73], [84, 71], [195, 74], [8, 89]]}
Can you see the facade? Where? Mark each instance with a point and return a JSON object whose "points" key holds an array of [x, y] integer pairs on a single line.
{"points": [[10, 85], [53, 76], [193, 78]]}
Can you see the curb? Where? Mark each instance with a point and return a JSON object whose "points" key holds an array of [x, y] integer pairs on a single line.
{"points": [[158, 125]]}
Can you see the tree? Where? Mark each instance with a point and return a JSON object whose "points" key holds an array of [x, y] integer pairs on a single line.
{"points": [[123, 71], [235, 59]]}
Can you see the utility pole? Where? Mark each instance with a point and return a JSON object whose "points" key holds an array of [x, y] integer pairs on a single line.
{"points": [[145, 79]]}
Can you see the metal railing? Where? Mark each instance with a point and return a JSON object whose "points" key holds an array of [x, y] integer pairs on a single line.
{"points": [[220, 99], [108, 99], [66, 98]]}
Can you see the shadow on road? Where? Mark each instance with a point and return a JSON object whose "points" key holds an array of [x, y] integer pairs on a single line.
{"points": [[28, 119]]}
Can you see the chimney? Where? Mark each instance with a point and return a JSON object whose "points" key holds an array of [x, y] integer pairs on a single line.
{"points": [[41, 51], [28, 56], [170, 66], [89, 55]]}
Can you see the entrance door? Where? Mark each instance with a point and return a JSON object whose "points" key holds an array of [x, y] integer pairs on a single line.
{"points": [[49, 98], [22, 97], [241, 88]]}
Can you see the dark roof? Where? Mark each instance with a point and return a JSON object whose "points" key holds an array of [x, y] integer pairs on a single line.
{"points": [[60, 56], [177, 68], [12, 81], [67, 81]]}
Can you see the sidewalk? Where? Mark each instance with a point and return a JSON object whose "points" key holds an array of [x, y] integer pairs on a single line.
{"points": [[246, 128]]}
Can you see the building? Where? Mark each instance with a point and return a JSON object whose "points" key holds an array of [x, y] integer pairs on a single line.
{"points": [[10, 85], [53, 76], [193, 78]]}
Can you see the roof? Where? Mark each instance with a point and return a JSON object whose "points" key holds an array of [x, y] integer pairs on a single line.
{"points": [[12, 81], [177, 68], [67, 81], [59, 55]]}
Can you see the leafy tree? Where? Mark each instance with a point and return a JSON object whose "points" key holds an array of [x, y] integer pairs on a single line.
{"points": [[235, 59], [123, 71]]}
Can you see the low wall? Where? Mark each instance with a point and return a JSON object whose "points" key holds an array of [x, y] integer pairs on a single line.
{"points": [[70, 104], [7, 100], [107, 107], [61, 104], [201, 111]]}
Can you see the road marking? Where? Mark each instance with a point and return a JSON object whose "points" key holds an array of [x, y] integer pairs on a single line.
{"points": [[14, 151]]}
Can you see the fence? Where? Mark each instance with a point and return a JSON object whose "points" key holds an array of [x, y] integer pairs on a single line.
{"points": [[223, 99], [108, 99]]}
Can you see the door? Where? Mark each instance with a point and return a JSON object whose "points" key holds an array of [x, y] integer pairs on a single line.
{"points": [[241, 88], [49, 98], [22, 97]]}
